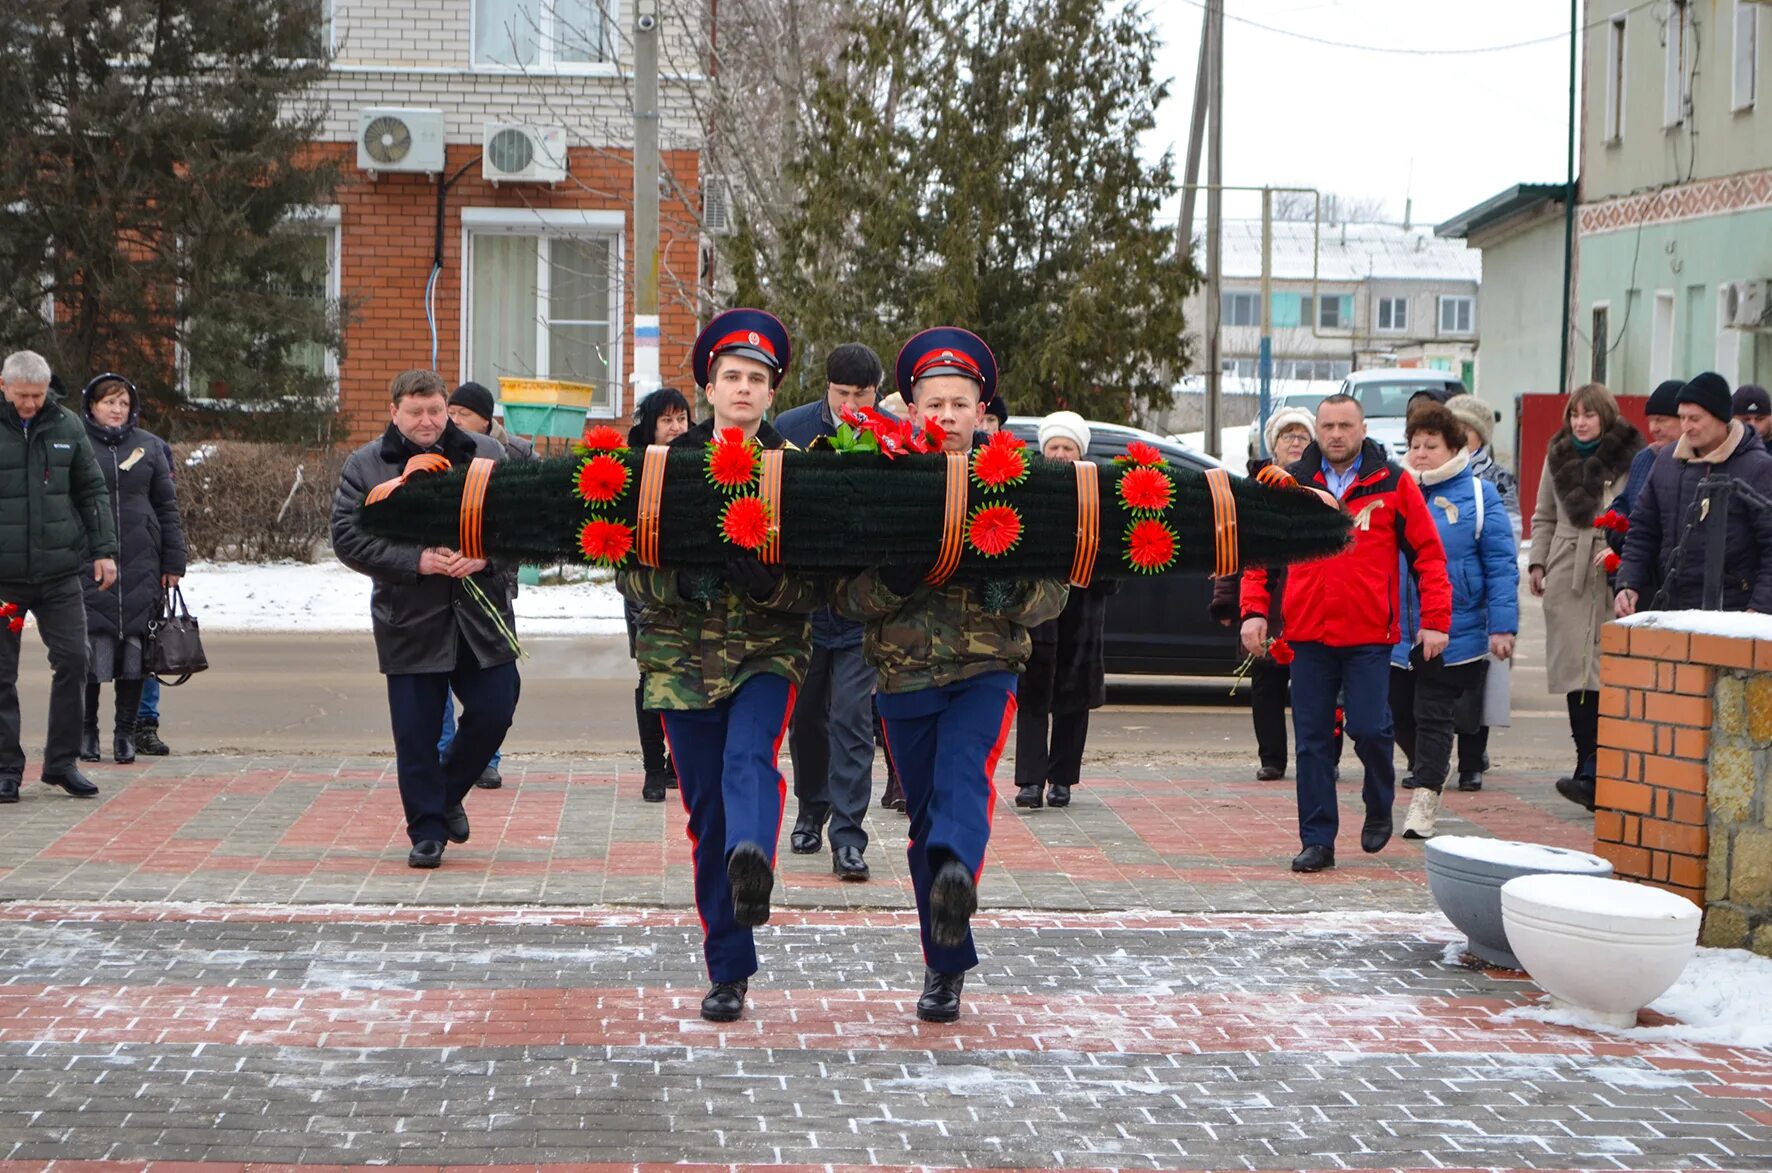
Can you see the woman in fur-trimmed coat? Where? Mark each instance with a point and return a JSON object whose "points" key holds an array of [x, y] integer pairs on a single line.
{"points": [[1584, 468]]}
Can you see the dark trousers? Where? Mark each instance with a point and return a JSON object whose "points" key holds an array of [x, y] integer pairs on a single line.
{"points": [[1269, 685], [727, 777], [947, 742], [1584, 729], [1427, 699], [60, 608], [1320, 674], [654, 759], [431, 783], [125, 706], [831, 743], [1057, 759]]}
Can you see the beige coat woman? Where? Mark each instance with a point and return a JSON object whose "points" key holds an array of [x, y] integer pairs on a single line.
{"points": [[1572, 491]]}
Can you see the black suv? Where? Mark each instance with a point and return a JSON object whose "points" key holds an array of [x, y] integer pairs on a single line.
{"points": [[1159, 624]]}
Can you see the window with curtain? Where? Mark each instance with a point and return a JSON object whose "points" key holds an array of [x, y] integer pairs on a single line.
{"points": [[543, 34], [545, 306]]}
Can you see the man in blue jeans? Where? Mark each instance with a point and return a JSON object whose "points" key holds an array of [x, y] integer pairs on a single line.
{"points": [[1342, 622]]}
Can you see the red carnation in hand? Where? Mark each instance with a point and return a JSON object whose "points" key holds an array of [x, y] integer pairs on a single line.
{"points": [[16, 624], [993, 530], [1150, 546], [746, 522], [732, 461], [1146, 490], [605, 542], [1140, 453], [1611, 562], [604, 438], [602, 479], [1000, 463], [7, 609], [1613, 520], [1280, 651]]}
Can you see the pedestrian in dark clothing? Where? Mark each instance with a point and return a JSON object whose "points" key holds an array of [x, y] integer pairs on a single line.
{"points": [[1342, 621], [56, 527], [432, 635], [1712, 445], [659, 419], [147, 714], [831, 739], [151, 541], [1753, 407], [1065, 675], [1662, 418]]}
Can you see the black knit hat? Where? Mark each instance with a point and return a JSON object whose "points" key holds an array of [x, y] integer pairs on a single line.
{"points": [[1665, 399], [1752, 400], [1710, 391], [474, 397]]}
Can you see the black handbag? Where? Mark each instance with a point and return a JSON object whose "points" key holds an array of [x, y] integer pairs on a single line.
{"points": [[175, 648]]}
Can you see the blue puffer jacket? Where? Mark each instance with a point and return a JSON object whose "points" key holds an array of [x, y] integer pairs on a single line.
{"points": [[1484, 569]]}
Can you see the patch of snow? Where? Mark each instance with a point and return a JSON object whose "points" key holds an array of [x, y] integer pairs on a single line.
{"points": [[1599, 896], [330, 597], [1720, 1000], [966, 1080], [1637, 1077], [1511, 852], [1734, 624]]}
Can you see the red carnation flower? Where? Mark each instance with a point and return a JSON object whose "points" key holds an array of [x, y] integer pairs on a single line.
{"points": [[993, 530], [604, 438], [605, 542], [746, 522], [1612, 520], [16, 624], [1612, 562], [1142, 454], [602, 479], [732, 461], [1280, 651], [1150, 546], [935, 433], [1146, 490], [997, 466], [7, 609]]}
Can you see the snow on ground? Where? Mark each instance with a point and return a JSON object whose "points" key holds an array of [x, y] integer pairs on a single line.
{"points": [[1720, 999], [326, 596], [1738, 624], [1233, 443]]}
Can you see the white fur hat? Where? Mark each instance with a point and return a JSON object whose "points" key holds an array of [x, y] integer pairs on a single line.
{"points": [[1288, 417], [1068, 424], [1474, 414]]}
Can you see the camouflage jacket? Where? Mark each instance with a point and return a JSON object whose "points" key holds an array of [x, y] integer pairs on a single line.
{"points": [[696, 651], [934, 637]]}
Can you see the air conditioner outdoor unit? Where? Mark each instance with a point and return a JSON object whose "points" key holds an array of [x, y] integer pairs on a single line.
{"points": [[523, 154], [1745, 305], [716, 207], [397, 139]]}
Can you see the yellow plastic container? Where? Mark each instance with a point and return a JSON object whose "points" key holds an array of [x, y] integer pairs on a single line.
{"points": [[554, 392]]}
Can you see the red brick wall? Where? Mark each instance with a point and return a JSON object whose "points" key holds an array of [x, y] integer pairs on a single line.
{"points": [[388, 232]]}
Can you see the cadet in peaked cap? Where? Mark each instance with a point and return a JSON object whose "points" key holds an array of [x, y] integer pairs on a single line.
{"points": [[721, 655], [947, 664]]}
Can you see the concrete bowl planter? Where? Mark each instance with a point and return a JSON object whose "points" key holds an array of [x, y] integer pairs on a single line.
{"points": [[1465, 874], [1604, 948]]}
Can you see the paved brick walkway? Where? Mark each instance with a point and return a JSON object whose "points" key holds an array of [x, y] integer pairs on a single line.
{"points": [[226, 963]]}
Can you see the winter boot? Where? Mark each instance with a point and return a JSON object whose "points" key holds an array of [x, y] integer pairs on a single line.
{"points": [[147, 739], [89, 726], [129, 703], [1423, 808], [123, 743]]}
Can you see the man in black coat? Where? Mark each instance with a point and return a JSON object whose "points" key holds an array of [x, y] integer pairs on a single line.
{"points": [[431, 634], [1712, 443]]}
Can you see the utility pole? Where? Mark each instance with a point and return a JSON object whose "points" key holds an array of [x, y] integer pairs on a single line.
{"points": [[645, 378], [1196, 134], [1267, 318], [1214, 229], [1563, 374]]}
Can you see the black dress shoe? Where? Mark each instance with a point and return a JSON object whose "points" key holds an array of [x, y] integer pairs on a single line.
{"points": [[725, 1002], [847, 864], [74, 782], [1314, 858], [1577, 790], [1270, 773], [1375, 832], [1472, 780], [748, 872], [653, 788], [426, 853], [1408, 782], [89, 746], [456, 819], [1058, 794], [953, 898], [941, 996], [123, 749], [1030, 797], [489, 779], [808, 836], [8, 789]]}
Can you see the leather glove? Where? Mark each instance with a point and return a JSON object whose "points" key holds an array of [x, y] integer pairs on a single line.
{"points": [[902, 580], [752, 577]]}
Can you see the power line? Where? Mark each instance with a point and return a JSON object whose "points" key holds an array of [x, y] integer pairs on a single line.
{"points": [[1410, 52]]}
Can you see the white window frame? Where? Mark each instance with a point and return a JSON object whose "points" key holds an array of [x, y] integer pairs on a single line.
{"points": [[1340, 299], [549, 223], [1616, 72], [1728, 338], [1601, 344], [1394, 303], [1663, 329], [1744, 83], [1444, 302], [546, 40], [1676, 64], [1228, 298]]}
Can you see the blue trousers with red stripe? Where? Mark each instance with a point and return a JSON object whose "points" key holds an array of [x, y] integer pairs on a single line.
{"points": [[945, 743], [733, 792]]}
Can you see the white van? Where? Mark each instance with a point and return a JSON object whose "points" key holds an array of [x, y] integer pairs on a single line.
{"points": [[1384, 395]]}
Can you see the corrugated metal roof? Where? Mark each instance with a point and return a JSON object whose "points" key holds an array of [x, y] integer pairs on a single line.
{"points": [[1497, 208], [1348, 252]]}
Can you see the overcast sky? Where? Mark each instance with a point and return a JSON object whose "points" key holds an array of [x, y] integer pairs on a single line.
{"points": [[1451, 130]]}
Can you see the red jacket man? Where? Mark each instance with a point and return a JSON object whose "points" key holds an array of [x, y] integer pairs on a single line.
{"points": [[1342, 621]]}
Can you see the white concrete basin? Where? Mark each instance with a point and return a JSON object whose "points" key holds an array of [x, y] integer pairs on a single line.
{"points": [[1465, 874]]}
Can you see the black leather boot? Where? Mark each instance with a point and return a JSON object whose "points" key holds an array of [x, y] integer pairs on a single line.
{"points": [[123, 745], [725, 1002], [752, 880], [941, 996], [89, 726], [953, 898]]}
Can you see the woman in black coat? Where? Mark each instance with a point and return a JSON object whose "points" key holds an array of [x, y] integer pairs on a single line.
{"points": [[151, 538], [661, 417]]}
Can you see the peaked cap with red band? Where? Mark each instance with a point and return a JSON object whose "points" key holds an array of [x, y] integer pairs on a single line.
{"points": [[752, 334], [947, 350]]}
